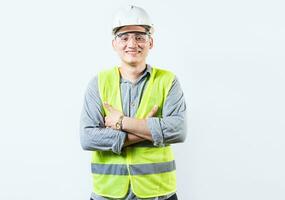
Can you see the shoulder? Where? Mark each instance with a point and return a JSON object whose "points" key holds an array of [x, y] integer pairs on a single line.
{"points": [[163, 74], [92, 86], [93, 82], [108, 71], [162, 70], [175, 84], [167, 74]]}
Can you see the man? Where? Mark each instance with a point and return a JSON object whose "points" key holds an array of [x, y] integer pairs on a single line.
{"points": [[131, 115]]}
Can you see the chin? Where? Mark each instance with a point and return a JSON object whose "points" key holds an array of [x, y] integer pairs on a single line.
{"points": [[132, 62]]}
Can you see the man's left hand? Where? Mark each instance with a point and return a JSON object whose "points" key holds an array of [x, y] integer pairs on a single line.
{"points": [[113, 117]]}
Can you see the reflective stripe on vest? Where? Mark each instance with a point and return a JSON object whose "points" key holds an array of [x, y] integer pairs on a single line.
{"points": [[149, 169], [139, 169]]}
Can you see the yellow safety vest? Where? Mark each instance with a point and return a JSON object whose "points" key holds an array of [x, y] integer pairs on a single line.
{"points": [[149, 169]]}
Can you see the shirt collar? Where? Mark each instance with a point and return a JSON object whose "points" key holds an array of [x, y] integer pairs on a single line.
{"points": [[146, 72]]}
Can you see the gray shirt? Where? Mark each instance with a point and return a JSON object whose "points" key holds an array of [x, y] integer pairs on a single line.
{"points": [[169, 129]]}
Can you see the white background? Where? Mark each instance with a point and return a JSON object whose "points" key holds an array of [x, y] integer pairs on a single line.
{"points": [[228, 56]]}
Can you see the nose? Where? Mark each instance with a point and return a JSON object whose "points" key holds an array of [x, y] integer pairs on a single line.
{"points": [[132, 42]]}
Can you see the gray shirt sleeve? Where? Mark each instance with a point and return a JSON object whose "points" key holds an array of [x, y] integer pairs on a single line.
{"points": [[93, 134], [171, 128]]}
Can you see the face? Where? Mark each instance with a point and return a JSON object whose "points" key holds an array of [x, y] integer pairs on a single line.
{"points": [[132, 45]]}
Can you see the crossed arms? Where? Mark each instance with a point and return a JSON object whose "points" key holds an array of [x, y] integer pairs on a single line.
{"points": [[99, 133], [137, 129]]}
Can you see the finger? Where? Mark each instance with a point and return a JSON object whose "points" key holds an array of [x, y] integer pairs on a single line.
{"points": [[107, 106], [153, 111], [106, 122]]}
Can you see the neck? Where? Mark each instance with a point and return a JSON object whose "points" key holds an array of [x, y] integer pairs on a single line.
{"points": [[132, 72]]}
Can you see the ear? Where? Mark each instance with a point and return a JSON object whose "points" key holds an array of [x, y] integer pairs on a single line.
{"points": [[151, 43], [114, 44]]}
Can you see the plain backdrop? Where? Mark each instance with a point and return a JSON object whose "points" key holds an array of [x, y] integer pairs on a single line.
{"points": [[227, 55]]}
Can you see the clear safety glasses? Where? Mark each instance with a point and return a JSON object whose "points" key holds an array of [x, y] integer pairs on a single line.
{"points": [[140, 37]]}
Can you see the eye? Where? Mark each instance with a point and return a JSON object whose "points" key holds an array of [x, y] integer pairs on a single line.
{"points": [[140, 38], [124, 38]]}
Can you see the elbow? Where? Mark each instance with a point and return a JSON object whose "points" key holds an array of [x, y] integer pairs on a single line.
{"points": [[177, 136], [85, 143], [181, 138], [180, 134]]}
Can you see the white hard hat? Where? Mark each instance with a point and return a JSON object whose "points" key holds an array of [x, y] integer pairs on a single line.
{"points": [[131, 15]]}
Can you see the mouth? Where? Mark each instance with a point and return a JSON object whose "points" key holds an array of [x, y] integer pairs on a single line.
{"points": [[133, 52]]}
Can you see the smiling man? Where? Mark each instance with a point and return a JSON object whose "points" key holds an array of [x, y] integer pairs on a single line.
{"points": [[132, 113]]}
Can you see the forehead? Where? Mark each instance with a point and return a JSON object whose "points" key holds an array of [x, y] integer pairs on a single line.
{"points": [[131, 28]]}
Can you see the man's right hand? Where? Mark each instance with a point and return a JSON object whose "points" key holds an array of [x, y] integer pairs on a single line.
{"points": [[153, 111]]}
